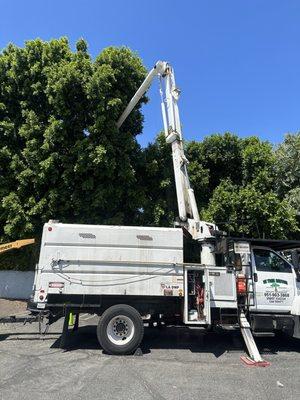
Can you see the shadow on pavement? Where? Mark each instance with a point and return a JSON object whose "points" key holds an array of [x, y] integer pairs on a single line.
{"points": [[167, 338], [181, 338]]}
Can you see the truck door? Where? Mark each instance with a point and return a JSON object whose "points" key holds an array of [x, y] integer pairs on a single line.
{"points": [[274, 281]]}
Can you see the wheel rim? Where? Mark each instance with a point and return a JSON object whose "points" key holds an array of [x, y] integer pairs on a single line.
{"points": [[120, 330]]}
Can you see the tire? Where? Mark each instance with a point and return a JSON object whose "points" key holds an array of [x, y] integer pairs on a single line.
{"points": [[120, 330]]}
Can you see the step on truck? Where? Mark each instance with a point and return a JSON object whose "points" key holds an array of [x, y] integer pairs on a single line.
{"points": [[191, 274]]}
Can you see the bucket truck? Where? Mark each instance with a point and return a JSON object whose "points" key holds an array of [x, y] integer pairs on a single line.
{"points": [[191, 274]]}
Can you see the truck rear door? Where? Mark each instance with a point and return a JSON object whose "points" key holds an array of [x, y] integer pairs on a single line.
{"points": [[274, 281]]}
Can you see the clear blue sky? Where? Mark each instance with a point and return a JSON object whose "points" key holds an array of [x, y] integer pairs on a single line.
{"points": [[237, 62]]}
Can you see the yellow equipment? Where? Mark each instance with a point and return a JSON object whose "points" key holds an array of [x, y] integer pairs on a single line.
{"points": [[15, 245]]}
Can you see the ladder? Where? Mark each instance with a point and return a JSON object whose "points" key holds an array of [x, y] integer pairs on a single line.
{"points": [[255, 357]]}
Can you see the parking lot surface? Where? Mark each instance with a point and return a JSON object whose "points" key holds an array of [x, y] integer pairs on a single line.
{"points": [[177, 363]]}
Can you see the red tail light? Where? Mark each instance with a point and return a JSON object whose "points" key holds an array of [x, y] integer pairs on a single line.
{"points": [[241, 284]]}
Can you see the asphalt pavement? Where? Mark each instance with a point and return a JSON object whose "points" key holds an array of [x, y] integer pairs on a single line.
{"points": [[177, 363]]}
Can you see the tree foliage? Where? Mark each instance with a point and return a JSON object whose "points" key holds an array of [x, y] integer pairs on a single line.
{"points": [[62, 156], [287, 168], [236, 186]]}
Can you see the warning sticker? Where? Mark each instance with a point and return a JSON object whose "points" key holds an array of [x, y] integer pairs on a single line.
{"points": [[170, 289], [241, 247]]}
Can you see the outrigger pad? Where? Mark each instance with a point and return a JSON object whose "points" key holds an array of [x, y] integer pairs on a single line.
{"points": [[251, 363]]}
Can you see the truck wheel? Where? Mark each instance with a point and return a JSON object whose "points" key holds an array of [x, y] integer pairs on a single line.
{"points": [[120, 329]]}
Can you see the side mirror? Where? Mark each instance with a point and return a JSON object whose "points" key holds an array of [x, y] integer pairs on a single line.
{"points": [[296, 263], [234, 261]]}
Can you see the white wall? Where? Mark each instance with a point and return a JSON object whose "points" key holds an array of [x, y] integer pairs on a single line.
{"points": [[16, 284]]}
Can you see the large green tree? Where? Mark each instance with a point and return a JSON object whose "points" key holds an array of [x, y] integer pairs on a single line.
{"points": [[235, 183], [61, 154], [250, 204], [287, 168]]}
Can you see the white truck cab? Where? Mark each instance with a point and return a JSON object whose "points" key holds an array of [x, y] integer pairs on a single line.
{"points": [[274, 280]]}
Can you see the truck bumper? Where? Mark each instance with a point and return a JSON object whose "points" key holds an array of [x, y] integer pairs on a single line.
{"points": [[270, 323], [296, 333]]}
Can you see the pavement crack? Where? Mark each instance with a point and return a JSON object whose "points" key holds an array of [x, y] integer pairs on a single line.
{"points": [[155, 394]]}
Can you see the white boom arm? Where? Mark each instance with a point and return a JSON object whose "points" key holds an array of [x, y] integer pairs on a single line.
{"points": [[187, 207]]}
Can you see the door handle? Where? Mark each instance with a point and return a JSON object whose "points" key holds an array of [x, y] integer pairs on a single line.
{"points": [[255, 277]]}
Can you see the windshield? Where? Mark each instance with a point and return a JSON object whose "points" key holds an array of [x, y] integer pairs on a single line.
{"points": [[267, 260]]}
